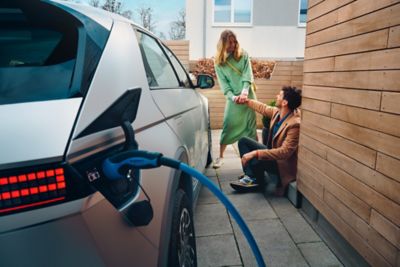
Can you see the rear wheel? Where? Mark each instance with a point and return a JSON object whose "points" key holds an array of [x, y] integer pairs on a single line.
{"points": [[182, 248], [209, 156]]}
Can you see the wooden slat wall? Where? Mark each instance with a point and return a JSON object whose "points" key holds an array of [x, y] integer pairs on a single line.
{"points": [[349, 156], [180, 49], [285, 73]]}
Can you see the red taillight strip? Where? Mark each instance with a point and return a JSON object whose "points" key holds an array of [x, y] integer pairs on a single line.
{"points": [[33, 191], [32, 204], [30, 189]]}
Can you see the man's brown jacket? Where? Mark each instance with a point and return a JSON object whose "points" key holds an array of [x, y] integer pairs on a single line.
{"points": [[284, 144]]}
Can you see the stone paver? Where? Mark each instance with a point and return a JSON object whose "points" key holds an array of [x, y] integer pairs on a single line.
{"points": [[217, 251], [319, 255], [275, 244], [298, 228], [282, 234], [252, 206], [211, 219], [206, 197]]}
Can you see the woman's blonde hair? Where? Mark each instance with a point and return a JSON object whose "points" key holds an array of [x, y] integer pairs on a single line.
{"points": [[222, 55]]}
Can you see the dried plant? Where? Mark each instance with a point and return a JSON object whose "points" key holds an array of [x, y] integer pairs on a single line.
{"points": [[204, 66], [261, 69]]}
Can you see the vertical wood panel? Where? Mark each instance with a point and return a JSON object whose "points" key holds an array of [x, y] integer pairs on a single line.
{"points": [[352, 149], [379, 121], [388, 166], [371, 80], [362, 7], [357, 98], [319, 65], [390, 102], [350, 200], [346, 214], [365, 42], [312, 3], [385, 228], [352, 61], [325, 7], [394, 37], [357, 241], [382, 245], [385, 206], [377, 60], [322, 22], [384, 185], [371, 22], [315, 146], [316, 106]]}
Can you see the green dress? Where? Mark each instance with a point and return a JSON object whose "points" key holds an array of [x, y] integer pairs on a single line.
{"points": [[239, 119]]}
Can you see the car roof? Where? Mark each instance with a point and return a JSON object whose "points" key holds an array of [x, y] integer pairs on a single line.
{"points": [[101, 16]]}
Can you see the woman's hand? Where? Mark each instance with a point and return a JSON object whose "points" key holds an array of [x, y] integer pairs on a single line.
{"points": [[243, 96]]}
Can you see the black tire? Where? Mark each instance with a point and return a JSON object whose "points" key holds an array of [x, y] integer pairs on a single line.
{"points": [[182, 247], [209, 156], [209, 159]]}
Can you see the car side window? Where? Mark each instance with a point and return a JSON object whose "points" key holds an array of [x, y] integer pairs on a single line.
{"points": [[159, 71], [182, 75]]}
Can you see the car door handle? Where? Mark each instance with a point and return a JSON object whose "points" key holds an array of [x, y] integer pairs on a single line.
{"points": [[178, 119]]}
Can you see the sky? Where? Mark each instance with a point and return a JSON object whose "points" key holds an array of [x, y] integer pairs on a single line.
{"points": [[164, 11]]}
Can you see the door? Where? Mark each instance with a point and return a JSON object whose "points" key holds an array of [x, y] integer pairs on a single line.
{"points": [[172, 92]]}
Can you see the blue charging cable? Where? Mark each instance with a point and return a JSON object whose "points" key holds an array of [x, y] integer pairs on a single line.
{"points": [[114, 167]]}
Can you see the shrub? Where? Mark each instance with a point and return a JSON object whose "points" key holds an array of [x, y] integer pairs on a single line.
{"points": [[266, 120], [261, 69]]}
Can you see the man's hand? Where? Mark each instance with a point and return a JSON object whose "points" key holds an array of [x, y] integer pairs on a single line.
{"points": [[241, 99], [248, 156]]}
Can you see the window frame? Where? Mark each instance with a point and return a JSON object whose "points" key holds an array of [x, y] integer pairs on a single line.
{"points": [[163, 50], [231, 23], [299, 23], [167, 49]]}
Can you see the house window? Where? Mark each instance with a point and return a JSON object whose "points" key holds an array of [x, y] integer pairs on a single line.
{"points": [[237, 12], [303, 12]]}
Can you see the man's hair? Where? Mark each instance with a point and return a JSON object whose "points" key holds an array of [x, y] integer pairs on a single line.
{"points": [[293, 96], [221, 56]]}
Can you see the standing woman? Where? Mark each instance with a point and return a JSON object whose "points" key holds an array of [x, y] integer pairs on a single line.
{"points": [[234, 73]]}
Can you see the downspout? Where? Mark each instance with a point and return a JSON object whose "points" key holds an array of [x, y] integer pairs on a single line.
{"points": [[204, 27]]}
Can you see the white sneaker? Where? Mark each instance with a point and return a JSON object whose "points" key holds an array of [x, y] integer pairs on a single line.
{"points": [[218, 163]]}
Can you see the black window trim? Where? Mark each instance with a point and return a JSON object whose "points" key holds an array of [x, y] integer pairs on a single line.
{"points": [[163, 47]]}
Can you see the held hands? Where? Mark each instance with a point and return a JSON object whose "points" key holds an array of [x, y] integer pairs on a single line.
{"points": [[242, 98]]}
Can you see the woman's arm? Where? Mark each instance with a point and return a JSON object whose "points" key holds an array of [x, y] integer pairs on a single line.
{"points": [[247, 72], [224, 83]]}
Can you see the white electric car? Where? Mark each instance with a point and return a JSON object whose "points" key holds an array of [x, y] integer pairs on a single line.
{"points": [[69, 76]]}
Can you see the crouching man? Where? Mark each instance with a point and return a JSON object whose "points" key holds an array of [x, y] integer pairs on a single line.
{"points": [[279, 157]]}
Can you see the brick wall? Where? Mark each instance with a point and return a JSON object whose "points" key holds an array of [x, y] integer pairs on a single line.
{"points": [[349, 156]]}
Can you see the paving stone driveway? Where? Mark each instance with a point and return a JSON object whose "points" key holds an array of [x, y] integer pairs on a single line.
{"points": [[282, 234]]}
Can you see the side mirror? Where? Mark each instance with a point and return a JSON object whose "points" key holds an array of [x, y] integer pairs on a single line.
{"points": [[205, 81]]}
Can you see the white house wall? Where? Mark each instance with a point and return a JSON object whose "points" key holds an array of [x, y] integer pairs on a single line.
{"points": [[266, 42], [195, 28], [274, 33]]}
